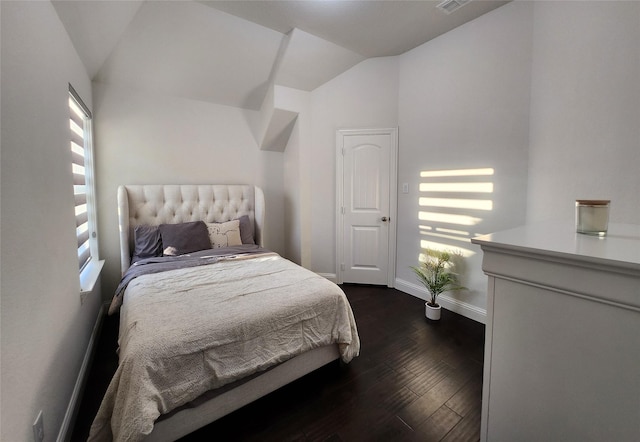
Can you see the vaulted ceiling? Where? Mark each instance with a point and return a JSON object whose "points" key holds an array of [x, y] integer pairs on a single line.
{"points": [[230, 52]]}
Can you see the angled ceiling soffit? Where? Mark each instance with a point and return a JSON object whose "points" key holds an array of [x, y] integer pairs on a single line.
{"points": [[304, 62], [189, 50], [309, 61], [95, 27]]}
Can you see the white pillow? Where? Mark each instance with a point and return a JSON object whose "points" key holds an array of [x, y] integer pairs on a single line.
{"points": [[224, 234]]}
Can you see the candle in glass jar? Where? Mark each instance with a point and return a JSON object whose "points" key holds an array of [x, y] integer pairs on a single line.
{"points": [[592, 216]]}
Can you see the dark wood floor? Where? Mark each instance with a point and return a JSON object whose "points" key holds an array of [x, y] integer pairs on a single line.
{"points": [[414, 380]]}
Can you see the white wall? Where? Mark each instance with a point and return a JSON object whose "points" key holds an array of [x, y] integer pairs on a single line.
{"points": [[292, 197], [144, 138], [45, 331], [545, 93], [585, 109], [491, 93], [365, 96], [464, 104], [297, 226]]}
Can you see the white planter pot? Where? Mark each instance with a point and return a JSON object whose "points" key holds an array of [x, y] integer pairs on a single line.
{"points": [[432, 313]]}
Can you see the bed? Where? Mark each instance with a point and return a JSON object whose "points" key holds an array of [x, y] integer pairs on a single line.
{"points": [[205, 332]]}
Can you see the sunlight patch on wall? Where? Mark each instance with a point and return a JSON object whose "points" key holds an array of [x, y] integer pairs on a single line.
{"points": [[487, 171], [449, 218], [457, 203], [451, 203], [457, 187], [435, 245]]}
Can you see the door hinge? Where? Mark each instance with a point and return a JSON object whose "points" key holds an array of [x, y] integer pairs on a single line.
{"points": [[342, 267], [344, 151], [342, 210]]}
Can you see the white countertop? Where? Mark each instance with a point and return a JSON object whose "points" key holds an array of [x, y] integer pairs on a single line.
{"points": [[621, 245]]}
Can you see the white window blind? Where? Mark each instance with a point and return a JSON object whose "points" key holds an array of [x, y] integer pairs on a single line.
{"points": [[82, 167]]}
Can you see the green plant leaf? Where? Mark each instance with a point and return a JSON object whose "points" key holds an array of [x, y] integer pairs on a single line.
{"points": [[437, 272]]}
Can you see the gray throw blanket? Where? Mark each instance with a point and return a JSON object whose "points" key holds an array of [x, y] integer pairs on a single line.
{"points": [[165, 263]]}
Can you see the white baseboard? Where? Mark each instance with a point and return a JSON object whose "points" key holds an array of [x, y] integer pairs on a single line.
{"points": [[66, 429], [462, 308], [330, 276]]}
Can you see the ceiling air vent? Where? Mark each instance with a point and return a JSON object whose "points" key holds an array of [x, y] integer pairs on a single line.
{"points": [[448, 6]]}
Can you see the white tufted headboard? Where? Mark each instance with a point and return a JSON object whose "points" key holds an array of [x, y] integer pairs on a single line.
{"points": [[171, 204]]}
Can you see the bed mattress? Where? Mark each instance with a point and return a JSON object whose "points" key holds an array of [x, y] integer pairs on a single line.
{"points": [[184, 332]]}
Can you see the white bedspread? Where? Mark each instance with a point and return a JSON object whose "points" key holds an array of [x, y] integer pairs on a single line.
{"points": [[187, 331]]}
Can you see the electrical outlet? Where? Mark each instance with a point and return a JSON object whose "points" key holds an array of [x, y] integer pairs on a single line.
{"points": [[38, 428], [405, 187]]}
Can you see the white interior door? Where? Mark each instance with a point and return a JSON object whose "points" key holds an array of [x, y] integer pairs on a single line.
{"points": [[366, 237]]}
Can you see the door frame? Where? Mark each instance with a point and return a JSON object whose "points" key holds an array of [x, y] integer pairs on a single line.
{"points": [[393, 198]]}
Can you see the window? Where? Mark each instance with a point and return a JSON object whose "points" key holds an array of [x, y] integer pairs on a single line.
{"points": [[83, 185]]}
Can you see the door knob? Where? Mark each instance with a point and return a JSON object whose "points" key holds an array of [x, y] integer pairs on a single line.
{"points": [[385, 219]]}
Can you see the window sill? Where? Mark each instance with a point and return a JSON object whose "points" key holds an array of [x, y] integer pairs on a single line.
{"points": [[89, 276]]}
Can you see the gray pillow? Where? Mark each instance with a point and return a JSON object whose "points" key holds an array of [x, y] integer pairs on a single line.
{"points": [[147, 242], [246, 229], [178, 239]]}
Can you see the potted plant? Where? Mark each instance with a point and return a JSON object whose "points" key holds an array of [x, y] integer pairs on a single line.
{"points": [[437, 274]]}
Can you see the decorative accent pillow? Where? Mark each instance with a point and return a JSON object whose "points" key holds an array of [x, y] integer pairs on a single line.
{"points": [[147, 242], [224, 234], [246, 230], [179, 239]]}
